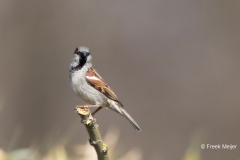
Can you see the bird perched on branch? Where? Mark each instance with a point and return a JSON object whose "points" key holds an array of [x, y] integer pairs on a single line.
{"points": [[89, 85]]}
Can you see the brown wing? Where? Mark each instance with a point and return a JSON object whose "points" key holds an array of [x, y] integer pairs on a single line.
{"points": [[94, 79]]}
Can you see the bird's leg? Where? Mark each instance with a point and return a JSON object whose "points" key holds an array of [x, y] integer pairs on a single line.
{"points": [[96, 111]]}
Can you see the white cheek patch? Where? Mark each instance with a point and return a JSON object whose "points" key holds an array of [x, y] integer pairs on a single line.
{"points": [[75, 61], [89, 59], [74, 64]]}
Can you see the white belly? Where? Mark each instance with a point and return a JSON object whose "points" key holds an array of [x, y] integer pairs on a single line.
{"points": [[85, 91]]}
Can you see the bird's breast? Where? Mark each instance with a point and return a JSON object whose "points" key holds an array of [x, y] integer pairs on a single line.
{"points": [[85, 91]]}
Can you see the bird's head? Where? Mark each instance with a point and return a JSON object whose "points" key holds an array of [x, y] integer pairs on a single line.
{"points": [[81, 57]]}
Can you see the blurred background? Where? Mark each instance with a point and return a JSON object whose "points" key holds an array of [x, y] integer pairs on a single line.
{"points": [[174, 65]]}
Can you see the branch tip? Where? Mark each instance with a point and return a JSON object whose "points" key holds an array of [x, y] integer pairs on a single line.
{"points": [[83, 110]]}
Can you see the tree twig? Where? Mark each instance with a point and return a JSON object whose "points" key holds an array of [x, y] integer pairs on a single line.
{"points": [[93, 131]]}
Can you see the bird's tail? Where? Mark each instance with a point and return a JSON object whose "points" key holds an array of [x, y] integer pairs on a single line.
{"points": [[119, 109]]}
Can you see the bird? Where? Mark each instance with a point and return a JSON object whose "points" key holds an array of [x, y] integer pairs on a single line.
{"points": [[90, 86]]}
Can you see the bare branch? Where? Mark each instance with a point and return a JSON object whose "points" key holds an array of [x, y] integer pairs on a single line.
{"points": [[93, 131]]}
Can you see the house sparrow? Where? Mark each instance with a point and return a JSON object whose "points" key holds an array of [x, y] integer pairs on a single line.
{"points": [[89, 85]]}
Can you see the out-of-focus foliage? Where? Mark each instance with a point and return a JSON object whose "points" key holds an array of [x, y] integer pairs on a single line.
{"points": [[193, 151], [83, 152]]}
